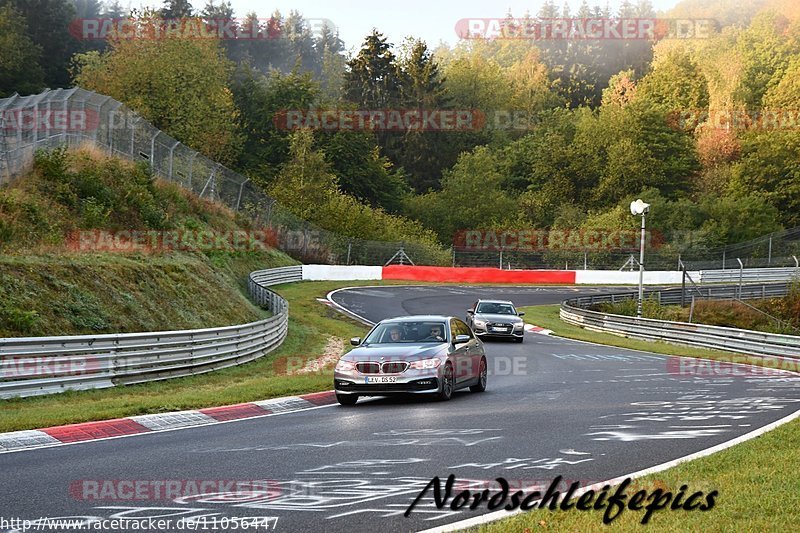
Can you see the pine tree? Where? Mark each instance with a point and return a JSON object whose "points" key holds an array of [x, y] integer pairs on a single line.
{"points": [[371, 80], [177, 9]]}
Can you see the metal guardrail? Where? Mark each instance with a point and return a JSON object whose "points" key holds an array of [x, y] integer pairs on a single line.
{"points": [[31, 366], [574, 312], [673, 296], [749, 275]]}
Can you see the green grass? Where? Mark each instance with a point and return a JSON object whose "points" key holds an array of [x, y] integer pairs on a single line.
{"points": [[758, 487], [71, 294], [310, 325]]}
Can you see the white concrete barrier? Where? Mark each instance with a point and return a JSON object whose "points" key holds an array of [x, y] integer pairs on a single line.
{"points": [[615, 277], [341, 272]]}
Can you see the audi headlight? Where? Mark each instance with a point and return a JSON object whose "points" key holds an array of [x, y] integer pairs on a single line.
{"points": [[345, 366], [425, 364], [479, 323]]}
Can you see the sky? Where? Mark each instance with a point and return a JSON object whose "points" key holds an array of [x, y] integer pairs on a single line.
{"points": [[431, 20]]}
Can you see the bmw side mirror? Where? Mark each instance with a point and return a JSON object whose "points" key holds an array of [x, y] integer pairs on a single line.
{"points": [[355, 341], [461, 339], [521, 314]]}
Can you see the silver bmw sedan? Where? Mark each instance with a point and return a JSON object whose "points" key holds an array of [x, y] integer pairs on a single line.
{"points": [[429, 354]]}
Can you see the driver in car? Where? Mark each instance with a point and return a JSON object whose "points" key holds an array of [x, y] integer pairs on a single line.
{"points": [[396, 334], [436, 333]]}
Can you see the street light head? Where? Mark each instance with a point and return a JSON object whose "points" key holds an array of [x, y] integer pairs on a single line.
{"points": [[639, 207]]}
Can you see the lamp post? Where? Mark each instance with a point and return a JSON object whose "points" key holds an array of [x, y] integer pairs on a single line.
{"points": [[640, 208]]}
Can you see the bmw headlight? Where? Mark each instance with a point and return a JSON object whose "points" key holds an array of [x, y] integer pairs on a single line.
{"points": [[345, 366], [425, 364]]}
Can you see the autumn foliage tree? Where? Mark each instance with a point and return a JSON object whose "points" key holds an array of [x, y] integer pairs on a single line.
{"points": [[177, 82]]}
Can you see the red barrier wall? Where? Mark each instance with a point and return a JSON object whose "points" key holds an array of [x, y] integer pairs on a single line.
{"points": [[477, 275]]}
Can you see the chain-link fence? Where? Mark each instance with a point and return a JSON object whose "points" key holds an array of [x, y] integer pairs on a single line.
{"points": [[75, 117]]}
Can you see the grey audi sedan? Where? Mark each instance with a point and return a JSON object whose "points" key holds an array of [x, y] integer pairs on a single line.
{"points": [[496, 318], [429, 354]]}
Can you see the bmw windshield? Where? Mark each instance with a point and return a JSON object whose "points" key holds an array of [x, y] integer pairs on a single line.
{"points": [[408, 333]]}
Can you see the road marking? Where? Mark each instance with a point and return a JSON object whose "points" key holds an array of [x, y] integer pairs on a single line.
{"points": [[499, 515]]}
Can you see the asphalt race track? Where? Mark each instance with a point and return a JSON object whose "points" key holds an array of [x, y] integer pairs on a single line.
{"points": [[553, 407]]}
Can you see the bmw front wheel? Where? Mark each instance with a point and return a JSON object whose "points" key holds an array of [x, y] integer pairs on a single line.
{"points": [[448, 383]]}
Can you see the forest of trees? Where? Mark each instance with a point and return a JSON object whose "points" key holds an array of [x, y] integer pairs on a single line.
{"points": [[597, 123]]}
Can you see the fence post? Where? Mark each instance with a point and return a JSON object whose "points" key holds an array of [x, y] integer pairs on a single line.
{"points": [[241, 190], [769, 253], [269, 212], [153, 150], [111, 130], [741, 273], [171, 155], [35, 129], [132, 153]]}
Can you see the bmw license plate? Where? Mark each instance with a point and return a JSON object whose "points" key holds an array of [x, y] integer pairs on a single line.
{"points": [[380, 379]]}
